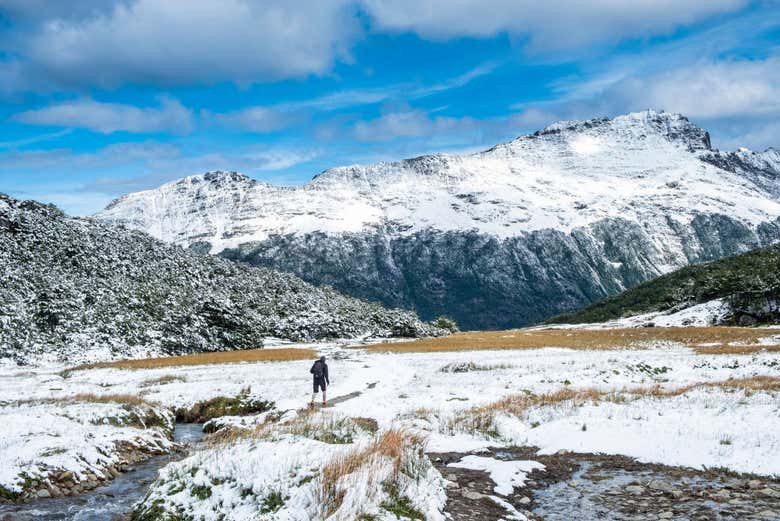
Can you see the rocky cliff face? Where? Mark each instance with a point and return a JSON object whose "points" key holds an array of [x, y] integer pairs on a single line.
{"points": [[79, 290], [505, 237]]}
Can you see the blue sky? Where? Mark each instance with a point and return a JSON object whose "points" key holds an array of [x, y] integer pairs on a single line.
{"points": [[103, 97]]}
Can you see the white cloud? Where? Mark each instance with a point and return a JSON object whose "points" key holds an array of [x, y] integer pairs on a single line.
{"points": [[550, 25], [409, 123], [257, 119], [738, 101], [177, 42], [106, 118], [64, 160], [707, 90]]}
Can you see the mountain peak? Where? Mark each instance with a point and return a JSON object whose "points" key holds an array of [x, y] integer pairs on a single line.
{"points": [[672, 126], [218, 177]]}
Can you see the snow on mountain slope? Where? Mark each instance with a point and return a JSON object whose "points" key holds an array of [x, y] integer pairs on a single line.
{"points": [[652, 175], [568, 175]]}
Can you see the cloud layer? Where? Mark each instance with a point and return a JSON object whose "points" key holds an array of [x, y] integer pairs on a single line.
{"points": [[106, 118], [179, 42]]}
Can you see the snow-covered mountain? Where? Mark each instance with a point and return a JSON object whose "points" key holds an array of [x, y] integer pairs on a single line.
{"points": [[78, 290], [515, 234]]}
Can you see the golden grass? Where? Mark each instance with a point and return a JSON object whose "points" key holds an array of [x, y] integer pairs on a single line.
{"points": [[125, 399], [725, 349], [584, 339], [218, 357], [482, 418], [395, 444], [163, 380]]}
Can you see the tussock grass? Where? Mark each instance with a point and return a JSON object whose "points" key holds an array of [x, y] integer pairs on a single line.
{"points": [[725, 349], [219, 357], [402, 447], [327, 427], [483, 418], [584, 339], [163, 380], [124, 399]]}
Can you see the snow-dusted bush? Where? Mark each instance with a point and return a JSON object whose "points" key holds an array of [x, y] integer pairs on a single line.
{"points": [[80, 290]]}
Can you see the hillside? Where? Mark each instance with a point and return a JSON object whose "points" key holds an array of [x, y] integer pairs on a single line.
{"points": [[513, 235], [80, 290], [748, 283]]}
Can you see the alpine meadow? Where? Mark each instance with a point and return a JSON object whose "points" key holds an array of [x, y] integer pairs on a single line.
{"points": [[382, 260]]}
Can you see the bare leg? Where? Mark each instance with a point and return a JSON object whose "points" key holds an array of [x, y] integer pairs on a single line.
{"points": [[324, 399]]}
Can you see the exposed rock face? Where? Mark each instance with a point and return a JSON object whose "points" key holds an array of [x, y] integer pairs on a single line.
{"points": [[78, 290], [505, 237]]}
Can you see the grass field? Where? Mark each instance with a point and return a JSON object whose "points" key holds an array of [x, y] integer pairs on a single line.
{"points": [[710, 340], [220, 357]]}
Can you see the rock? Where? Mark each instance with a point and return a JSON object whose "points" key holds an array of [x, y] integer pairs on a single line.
{"points": [[113, 471], [663, 486], [55, 491], [635, 490], [573, 483], [524, 500], [721, 495], [474, 496], [676, 494], [767, 514], [754, 483], [768, 492], [65, 476], [43, 493], [666, 515]]}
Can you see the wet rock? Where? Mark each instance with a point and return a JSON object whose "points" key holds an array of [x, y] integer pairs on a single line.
{"points": [[475, 496], [636, 490], [721, 495], [43, 493], [666, 515], [662, 486], [768, 492]]}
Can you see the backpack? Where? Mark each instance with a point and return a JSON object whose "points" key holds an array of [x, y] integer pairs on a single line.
{"points": [[318, 370]]}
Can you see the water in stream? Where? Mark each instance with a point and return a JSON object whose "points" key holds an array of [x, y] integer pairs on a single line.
{"points": [[103, 503]]}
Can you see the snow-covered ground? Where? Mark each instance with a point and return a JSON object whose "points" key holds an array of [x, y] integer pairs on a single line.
{"points": [[705, 314], [425, 393], [53, 446]]}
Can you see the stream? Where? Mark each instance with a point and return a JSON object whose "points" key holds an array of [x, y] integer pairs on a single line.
{"points": [[106, 503]]}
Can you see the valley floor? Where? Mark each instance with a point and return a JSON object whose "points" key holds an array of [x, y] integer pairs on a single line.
{"points": [[409, 419]]}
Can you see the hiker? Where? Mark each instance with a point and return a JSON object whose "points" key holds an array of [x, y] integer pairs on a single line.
{"points": [[320, 373]]}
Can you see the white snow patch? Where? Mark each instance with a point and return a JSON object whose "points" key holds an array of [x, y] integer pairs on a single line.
{"points": [[507, 475]]}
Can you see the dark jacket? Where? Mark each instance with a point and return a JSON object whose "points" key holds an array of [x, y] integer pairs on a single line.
{"points": [[324, 370]]}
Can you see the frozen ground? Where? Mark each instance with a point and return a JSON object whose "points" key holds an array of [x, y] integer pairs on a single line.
{"points": [[279, 467]]}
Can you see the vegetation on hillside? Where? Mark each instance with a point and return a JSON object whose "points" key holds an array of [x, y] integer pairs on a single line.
{"points": [[749, 282]]}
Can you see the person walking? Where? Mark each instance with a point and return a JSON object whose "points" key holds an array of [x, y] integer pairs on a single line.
{"points": [[319, 372]]}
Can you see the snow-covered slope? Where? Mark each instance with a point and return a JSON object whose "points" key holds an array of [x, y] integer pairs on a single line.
{"points": [[77, 290], [618, 200]]}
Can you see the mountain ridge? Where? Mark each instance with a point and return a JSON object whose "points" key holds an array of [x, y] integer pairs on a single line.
{"points": [[573, 212]]}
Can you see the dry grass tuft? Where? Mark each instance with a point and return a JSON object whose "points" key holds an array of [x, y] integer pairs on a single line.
{"points": [[483, 418], [398, 445], [220, 357], [163, 380], [585, 339], [725, 349], [124, 399]]}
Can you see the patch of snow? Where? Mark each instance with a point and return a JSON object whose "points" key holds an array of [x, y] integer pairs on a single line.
{"points": [[507, 475]]}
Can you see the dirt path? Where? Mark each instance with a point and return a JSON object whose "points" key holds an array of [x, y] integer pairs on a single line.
{"points": [[592, 486]]}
